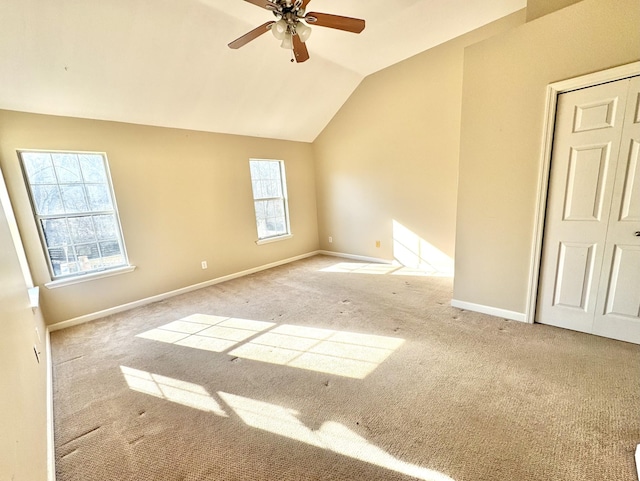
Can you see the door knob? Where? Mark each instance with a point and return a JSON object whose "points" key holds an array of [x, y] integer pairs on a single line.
{"points": [[638, 233]]}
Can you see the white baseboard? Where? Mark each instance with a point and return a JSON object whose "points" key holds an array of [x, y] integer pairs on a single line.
{"points": [[355, 257], [159, 297], [51, 449], [492, 311]]}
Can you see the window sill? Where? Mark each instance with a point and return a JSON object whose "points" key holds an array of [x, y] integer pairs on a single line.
{"points": [[88, 277], [269, 240]]}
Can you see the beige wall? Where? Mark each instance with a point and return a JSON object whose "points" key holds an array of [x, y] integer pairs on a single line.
{"points": [[540, 8], [23, 424], [505, 80], [183, 197], [391, 153]]}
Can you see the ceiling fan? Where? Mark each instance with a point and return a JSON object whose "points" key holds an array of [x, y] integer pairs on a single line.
{"points": [[291, 26]]}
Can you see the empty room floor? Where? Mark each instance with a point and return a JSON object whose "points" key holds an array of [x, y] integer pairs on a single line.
{"points": [[326, 369]]}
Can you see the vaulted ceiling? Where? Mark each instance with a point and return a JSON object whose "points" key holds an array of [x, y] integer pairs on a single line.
{"points": [[166, 62]]}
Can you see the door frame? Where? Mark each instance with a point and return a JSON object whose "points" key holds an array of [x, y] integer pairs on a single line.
{"points": [[553, 91]]}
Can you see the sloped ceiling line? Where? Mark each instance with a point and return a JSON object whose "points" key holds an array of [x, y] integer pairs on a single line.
{"points": [[166, 62]]}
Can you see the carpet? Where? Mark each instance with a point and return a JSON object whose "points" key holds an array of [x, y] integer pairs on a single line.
{"points": [[330, 370]]}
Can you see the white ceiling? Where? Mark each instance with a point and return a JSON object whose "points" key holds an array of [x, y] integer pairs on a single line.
{"points": [[166, 62]]}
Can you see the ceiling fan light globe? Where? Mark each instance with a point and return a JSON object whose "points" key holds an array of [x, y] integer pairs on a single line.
{"points": [[287, 42], [303, 31], [279, 29]]}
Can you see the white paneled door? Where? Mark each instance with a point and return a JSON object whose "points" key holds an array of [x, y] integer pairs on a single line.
{"points": [[590, 270]]}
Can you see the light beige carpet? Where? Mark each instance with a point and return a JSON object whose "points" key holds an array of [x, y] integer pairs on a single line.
{"points": [[307, 372]]}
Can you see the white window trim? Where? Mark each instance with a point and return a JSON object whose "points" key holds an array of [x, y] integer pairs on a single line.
{"points": [[269, 240], [80, 277], [285, 197], [68, 281]]}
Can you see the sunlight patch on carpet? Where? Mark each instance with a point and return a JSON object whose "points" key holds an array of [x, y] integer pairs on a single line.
{"points": [[341, 353], [344, 354], [394, 269], [174, 390], [275, 419], [210, 333], [332, 436]]}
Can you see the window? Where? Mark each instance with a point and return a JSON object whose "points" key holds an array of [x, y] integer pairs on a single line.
{"points": [[75, 210], [270, 198]]}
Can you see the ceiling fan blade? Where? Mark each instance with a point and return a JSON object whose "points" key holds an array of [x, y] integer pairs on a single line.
{"points": [[348, 24], [264, 4], [252, 35], [300, 51]]}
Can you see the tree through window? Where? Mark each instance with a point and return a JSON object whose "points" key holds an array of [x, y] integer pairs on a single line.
{"points": [[75, 210], [270, 198]]}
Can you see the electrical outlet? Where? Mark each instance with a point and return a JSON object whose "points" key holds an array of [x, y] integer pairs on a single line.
{"points": [[204, 264], [330, 239], [377, 243]]}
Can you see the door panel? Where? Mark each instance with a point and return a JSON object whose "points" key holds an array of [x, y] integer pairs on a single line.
{"points": [[630, 211], [624, 273], [595, 115], [574, 275], [586, 181], [586, 146], [617, 311]]}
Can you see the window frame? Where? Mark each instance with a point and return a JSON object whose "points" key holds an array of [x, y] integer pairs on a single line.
{"points": [[59, 280], [284, 198]]}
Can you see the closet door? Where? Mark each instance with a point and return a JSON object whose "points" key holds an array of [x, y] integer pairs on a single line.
{"points": [[579, 256], [618, 301]]}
